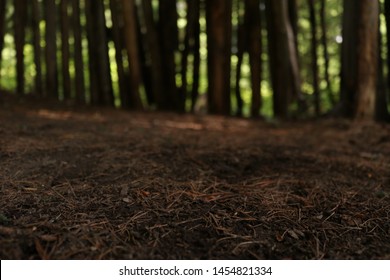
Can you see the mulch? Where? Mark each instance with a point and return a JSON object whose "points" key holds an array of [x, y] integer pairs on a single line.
{"points": [[90, 183]]}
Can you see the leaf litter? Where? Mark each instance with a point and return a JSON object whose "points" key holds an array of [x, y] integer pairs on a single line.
{"points": [[103, 184]]}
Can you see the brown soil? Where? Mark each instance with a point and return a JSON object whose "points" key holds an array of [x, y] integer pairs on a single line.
{"points": [[104, 184]]}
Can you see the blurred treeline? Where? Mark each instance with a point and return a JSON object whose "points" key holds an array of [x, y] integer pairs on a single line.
{"points": [[283, 58]]}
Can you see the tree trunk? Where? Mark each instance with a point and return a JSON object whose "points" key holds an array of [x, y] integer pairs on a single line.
{"points": [[367, 60], [293, 18], [293, 58], [382, 113], [191, 45], [324, 41], [99, 54], [314, 56], [20, 17], [92, 63], [65, 53], [78, 53], [144, 59], [3, 6], [153, 47], [240, 38], [168, 32], [117, 37], [241, 48], [36, 33], [51, 49], [282, 57], [387, 17], [196, 66], [104, 72], [349, 58], [253, 24], [133, 53], [219, 31]]}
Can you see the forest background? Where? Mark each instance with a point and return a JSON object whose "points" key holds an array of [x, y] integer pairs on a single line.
{"points": [[280, 58]]}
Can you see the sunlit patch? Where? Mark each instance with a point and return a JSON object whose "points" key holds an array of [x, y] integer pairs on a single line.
{"points": [[54, 115], [180, 125], [66, 115]]}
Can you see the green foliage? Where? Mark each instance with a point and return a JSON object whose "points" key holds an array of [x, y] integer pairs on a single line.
{"points": [[8, 62], [333, 25]]}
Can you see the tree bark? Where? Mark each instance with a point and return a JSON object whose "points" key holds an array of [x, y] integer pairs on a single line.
{"points": [[92, 63], [293, 18], [196, 68], [283, 58], [3, 6], [51, 49], [168, 32], [99, 53], [367, 60], [387, 17], [314, 56], [117, 38], [144, 59], [324, 41], [78, 53], [382, 113], [65, 52], [241, 48], [349, 58], [219, 31], [153, 47], [36, 33], [253, 23], [20, 17], [191, 45], [133, 53]]}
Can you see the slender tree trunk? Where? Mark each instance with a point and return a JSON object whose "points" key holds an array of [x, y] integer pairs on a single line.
{"points": [[51, 49], [324, 41], [65, 53], [349, 58], [36, 18], [117, 37], [99, 50], [92, 63], [387, 17], [293, 18], [382, 113], [3, 5], [196, 66], [144, 61], [278, 63], [191, 45], [104, 72], [367, 60], [241, 39], [133, 53], [156, 65], [314, 56], [253, 23], [219, 31], [294, 63], [20, 17], [78, 52], [169, 42], [241, 48]]}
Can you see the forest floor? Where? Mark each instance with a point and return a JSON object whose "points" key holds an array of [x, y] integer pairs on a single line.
{"points": [[105, 184]]}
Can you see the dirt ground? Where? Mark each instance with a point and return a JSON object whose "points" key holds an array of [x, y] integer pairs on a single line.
{"points": [[105, 184]]}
